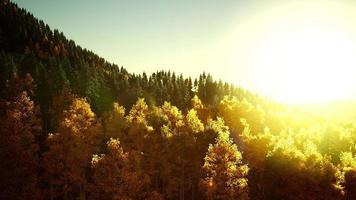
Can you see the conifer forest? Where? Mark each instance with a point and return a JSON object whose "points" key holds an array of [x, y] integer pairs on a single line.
{"points": [[75, 126]]}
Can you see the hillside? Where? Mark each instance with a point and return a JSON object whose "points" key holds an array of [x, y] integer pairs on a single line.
{"points": [[28, 45], [74, 126]]}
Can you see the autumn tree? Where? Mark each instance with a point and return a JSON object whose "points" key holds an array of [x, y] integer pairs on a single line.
{"points": [[203, 111], [292, 173], [115, 176], [350, 184], [233, 110], [137, 137], [224, 172], [255, 147], [193, 131], [174, 164], [70, 151], [114, 122], [193, 123], [138, 127], [172, 172], [60, 102], [348, 174], [19, 127]]}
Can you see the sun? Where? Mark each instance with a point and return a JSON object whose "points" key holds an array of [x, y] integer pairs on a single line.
{"points": [[302, 53], [307, 64]]}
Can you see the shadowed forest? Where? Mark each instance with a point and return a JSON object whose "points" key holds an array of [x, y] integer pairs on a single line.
{"points": [[73, 126]]}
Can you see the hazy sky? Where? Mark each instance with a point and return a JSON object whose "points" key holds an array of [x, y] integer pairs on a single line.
{"points": [[269, 46], [184, 36]]}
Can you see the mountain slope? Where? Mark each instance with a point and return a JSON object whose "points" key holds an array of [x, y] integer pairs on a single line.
{"points": [[28, 45]]}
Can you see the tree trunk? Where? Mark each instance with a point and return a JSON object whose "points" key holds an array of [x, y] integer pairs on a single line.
{"points": [[82, 191]]}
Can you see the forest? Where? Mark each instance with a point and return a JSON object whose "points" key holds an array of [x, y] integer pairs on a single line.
{"points": [[74, 126]]}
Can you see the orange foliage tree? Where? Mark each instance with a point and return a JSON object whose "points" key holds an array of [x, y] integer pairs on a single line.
{"points": [[70, 151], [115, 176], [19, 126]]}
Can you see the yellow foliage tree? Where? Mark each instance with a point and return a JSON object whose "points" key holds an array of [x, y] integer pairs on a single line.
{"points": [[233, 110], [116, 176], [203, 112], [70, 151], [293, 173], [224, 173], [114, 122], [348, 174]]}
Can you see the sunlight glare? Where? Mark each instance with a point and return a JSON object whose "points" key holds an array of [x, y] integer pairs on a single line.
{"points": [[307, 64], [306, 56]]}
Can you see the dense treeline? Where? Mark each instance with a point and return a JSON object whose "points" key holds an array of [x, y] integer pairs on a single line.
{"points": [[73, 126], [28, 45], [146, 153], [161, 152]]}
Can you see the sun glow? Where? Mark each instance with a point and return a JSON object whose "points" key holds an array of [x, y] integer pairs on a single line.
{"points": [[301, 53], [308, 64]]}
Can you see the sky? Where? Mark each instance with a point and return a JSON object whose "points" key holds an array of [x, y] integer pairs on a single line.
{"points": [[266, 46], [184, 36]]}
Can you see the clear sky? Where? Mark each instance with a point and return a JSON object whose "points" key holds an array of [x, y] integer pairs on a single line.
{"points": [[289, 50]]}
